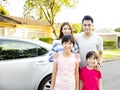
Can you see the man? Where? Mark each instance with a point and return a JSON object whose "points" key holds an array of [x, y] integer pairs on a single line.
{"points": [[88, 41]]}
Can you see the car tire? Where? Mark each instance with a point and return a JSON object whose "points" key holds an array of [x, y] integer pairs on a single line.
{"points": [[45, 84]]}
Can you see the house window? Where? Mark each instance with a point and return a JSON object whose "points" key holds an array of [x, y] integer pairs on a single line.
{"points": [[41, 33], [1, 31], [36, 33]]}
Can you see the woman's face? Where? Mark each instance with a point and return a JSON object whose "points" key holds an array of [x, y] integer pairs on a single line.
{"points": [[66, 30]]}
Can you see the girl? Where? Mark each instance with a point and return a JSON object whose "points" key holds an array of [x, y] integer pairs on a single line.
{"points": [[65, 74], [90, 77], [65, 29]]}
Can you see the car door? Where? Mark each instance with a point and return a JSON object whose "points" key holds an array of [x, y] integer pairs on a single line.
{"points": [[18, 60]]}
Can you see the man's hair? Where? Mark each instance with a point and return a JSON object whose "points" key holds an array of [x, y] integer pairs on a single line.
{"points": [[87, 17]]}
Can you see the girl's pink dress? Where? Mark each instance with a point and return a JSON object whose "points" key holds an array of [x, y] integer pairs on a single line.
{"points": [[65, 78]]}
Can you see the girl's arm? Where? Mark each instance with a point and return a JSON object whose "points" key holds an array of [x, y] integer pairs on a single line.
{"points": [[53, 75], [77, 75], [100, 84]]}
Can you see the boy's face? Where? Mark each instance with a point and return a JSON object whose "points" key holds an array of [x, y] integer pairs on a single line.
{"points": [[67, 46], [92, 62], [87, 26]]}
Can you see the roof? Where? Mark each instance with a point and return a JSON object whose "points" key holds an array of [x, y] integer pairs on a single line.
{"points": [[21, 20], [104, 31]]}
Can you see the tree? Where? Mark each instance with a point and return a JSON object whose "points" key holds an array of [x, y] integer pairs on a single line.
{"points": [[3, 11], [76, 27], [46, 9], [117, 29]]}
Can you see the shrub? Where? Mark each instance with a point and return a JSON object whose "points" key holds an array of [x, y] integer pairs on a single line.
{"points": [[109, 44], [47, 40]]}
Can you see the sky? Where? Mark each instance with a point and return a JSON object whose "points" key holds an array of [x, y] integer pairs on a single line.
{"points": [[104, 12]]}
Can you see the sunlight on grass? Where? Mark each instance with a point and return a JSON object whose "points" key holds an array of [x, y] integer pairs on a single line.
{"points": [[111, 53]]}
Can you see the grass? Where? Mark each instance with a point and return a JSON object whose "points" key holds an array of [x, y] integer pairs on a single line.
{"points": [[111, 53]]}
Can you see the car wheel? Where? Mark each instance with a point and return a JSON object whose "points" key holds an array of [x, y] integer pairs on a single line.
{"points": [[45, 84]]}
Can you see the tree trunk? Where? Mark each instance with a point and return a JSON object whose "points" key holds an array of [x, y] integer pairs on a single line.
{"points": [[54, 31]]}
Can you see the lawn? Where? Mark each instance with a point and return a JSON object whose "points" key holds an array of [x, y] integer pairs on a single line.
{"points": [[111, 53]]}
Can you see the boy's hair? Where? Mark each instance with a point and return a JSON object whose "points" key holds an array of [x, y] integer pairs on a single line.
{"points": [[67, 38], [87, 17], [91, 54]]}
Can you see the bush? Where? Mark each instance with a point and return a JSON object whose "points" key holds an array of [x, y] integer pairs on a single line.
{"points": [[109, 44], [47, 40]]}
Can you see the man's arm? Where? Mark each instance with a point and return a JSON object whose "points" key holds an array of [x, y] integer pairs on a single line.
{"points": [[100, 56], [100, 59]]}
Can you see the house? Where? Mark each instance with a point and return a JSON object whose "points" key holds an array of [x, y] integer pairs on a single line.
{"points": [[109, 35], [23, 27]]}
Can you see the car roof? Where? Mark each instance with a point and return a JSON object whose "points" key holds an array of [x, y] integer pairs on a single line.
{"points": [[34, 41]]}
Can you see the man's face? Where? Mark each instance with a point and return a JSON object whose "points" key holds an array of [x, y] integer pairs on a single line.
{"points": [[87, 26]]}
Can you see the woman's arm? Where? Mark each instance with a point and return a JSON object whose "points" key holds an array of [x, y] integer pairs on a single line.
{"points": [[53, 75], [53, 50]]}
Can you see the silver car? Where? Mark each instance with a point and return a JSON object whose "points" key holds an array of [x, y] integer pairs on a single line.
{"points": [[24, 64]]}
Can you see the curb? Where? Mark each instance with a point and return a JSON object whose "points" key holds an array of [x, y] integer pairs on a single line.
{"points": [[111, 59]]}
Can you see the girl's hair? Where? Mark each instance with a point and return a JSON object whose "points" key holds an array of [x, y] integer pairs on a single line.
{"points": [[67, 38], [61, 33], [91, 54]]}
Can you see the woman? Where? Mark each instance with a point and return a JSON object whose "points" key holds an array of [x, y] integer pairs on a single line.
{"points": [[65, 29]]}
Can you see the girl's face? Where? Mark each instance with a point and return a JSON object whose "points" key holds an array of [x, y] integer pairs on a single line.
{"points": [[87, 26], [66, 30], [67, 46], [91, 62]]}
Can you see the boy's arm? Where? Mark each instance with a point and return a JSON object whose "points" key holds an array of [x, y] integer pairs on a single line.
{"points": [[53, 76], [100, 84], [81, 84]]}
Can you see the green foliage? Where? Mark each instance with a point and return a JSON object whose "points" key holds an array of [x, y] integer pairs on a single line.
{"points": [[46, 9], [3, 11], [76, 28], [117, 29], [47, 40], [109, 44]]}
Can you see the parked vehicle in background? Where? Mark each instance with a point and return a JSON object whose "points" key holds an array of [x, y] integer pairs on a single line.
{"points": [[24, 64]]}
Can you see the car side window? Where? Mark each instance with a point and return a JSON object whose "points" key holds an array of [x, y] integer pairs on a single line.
{"points": [[11, 49], [42, 51]]}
